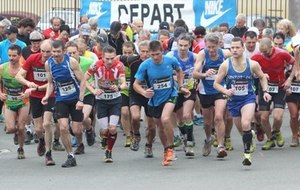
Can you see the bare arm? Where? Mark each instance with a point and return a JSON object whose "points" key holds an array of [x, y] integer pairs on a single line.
{"points": [[197, 74], [220, 76], [148, 93], [50, 85], [80, 77]]}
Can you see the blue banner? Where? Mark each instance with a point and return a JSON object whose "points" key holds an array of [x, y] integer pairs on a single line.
{"points": [[97, 9], [210, 13]]}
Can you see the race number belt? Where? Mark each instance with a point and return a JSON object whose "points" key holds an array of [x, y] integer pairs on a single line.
{"points": [[162, 84], [273, 87], [66, 88]]}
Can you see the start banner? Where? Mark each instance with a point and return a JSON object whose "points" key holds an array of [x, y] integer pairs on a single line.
{"points": [[207, 13]]}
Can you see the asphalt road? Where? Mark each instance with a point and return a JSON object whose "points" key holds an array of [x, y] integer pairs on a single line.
{"points": [[275, 169]]}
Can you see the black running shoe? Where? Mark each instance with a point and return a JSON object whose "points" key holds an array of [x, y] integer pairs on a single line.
{"points": [[70, 162], [90, 137], [79, 149]]}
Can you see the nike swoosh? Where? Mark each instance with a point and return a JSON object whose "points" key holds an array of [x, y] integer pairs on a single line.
{"points": [[206, 22]]}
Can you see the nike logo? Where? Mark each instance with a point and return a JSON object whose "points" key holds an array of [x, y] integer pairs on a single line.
{"points": [[206, 22]]}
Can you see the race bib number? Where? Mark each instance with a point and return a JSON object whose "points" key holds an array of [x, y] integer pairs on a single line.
{"points": [[162, 84], [295, 87], [241, 88], [13, 93], [39, 74], [67, 88], [12, 98], [272, 87], [109, 96]]}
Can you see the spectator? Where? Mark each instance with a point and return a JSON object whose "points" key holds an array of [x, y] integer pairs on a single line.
{"points": [[95, 30], [101, 42], [116, 37], [36, 39], [11, 35], [137, 26], [53, 31], [268, 33], [25, 27], [64, 33], [260, 25], [240, 28], [199, 32], [224, 28]]}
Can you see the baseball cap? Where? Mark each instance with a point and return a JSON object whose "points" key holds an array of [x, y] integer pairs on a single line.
{"points": [[227, 38], [164, 26], [11, 29], [35, 36], [102, 39], [179, 30], [199, 30], [254, 29], [85, 29], [295, 41], [115, 27]]}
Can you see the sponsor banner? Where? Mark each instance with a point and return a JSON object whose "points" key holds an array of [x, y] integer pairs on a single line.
{"points": [[207, 13]]}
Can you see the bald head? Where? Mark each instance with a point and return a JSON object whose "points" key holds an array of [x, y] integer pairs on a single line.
{"points": [[265, 46], [46, 47], [138, 23]]}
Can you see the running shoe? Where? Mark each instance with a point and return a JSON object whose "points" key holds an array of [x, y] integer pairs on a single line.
{"points": [[247, 159], [135, 144], [259, 133], [279, 139], [198, 120], [41, 149], [295, 142], [21, 154], [108, 157], [168, 157], [177, 141], [16, 142], [189, 151], [227, 143], [221, 151], [268, 145], [70, 162], [74, 141], [28, 137], [206, 150], [148, 151], [57, 146], [128, 141], [90, 137], [48, 159], [79, 149]]}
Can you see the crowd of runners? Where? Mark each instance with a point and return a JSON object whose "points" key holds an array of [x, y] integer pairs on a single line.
{"points": [[57, 86]]}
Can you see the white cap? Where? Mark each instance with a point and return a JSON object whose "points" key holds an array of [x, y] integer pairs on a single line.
{"points": [[254, 29]]}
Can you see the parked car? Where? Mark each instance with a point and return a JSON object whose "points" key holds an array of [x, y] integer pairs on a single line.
{"points": [[16, 16], [70, 16]]}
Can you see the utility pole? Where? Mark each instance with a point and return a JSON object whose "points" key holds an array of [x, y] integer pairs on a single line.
{"points": [[294, 12]]}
